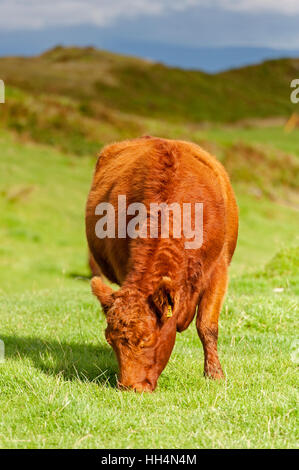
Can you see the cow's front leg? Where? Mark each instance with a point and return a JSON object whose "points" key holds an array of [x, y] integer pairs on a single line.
{"points": [[207, 319]]}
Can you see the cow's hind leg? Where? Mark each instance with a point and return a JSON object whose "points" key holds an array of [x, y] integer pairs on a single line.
{"points": [[207, 319]]}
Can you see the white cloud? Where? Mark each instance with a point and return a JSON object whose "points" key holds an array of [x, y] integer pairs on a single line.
{"points": [[33, 14], [36, 14], [287, 7]]}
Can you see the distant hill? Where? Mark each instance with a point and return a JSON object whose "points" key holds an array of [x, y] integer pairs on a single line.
{"points": [[208, 59], [77, 100], [197, 56], [93, 77]]}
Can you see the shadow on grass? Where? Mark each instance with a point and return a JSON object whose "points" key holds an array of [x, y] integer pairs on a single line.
{"points": [[79, 276], [74, 361]]}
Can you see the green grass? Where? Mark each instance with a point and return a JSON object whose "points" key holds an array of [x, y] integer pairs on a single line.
{"points": [[57, 384], [274, 137]]}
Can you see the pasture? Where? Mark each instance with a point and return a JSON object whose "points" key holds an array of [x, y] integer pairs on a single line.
{"points": [[57, 384]]}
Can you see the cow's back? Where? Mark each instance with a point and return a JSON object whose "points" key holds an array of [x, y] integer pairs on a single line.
{"points": [[157, 170]]}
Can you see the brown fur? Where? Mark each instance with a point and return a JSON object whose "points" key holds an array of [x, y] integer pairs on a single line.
{"points": [[155, 272]]}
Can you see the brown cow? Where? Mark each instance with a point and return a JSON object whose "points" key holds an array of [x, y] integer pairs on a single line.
{"points": [[162, 282]]}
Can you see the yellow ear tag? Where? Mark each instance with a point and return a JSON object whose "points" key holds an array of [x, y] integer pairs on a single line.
{"points": [[169, 311]]}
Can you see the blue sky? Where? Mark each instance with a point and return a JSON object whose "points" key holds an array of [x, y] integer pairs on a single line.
{"points": [[173, 29]]}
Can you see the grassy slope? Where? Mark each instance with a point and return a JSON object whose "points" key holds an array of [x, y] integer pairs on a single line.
{"points": [[152, 90], [57, 384], [265, 159]]}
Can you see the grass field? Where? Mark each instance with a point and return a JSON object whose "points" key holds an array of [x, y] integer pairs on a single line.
{"points": [[58, 380], [57, 384]]}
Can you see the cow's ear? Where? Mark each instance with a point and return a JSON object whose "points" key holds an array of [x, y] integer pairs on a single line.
{"points": [[163, 299], [103, 292]]}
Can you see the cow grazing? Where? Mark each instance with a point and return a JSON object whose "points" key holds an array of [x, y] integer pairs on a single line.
{"points": [[162, 282]]}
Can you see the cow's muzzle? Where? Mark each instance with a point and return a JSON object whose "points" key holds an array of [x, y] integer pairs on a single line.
{"points": [[140, 387]]}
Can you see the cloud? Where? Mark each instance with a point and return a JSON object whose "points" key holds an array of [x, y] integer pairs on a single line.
{"points": [[34, 14], [287, 7]]}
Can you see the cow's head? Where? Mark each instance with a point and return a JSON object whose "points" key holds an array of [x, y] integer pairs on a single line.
{"points": [[141, 329]]}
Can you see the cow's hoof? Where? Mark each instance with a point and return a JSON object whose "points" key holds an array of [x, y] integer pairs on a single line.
{"points": [[214, 373]]}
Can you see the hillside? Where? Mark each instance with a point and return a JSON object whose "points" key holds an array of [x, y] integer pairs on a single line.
{"points": [[79, 99], [153, 90]]}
